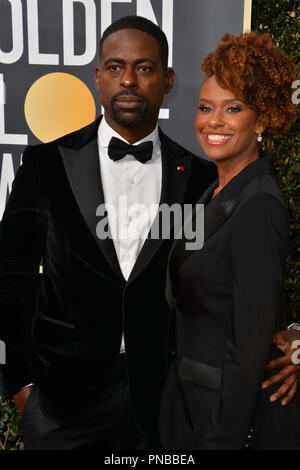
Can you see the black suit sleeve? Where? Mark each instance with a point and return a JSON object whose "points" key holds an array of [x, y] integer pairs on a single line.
{"points": [[259, 244], [22, 240]]}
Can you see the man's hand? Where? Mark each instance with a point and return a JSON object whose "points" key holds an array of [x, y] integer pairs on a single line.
{"points": [[21, 397], [289, 373]]}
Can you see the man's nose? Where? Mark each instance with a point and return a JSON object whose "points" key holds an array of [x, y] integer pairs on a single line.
{"points": [[128, 79]]}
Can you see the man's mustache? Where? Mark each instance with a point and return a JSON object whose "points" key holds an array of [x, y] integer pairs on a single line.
{"points": [[127, 93]]}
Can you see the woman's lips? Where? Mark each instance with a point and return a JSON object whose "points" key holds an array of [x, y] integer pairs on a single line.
{"points": [[217, 139]]}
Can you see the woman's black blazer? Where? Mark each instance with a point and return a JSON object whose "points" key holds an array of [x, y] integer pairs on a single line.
{"points": [[226, 302]]}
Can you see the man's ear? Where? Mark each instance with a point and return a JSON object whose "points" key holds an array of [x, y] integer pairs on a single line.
{"points": [[169, 80]]}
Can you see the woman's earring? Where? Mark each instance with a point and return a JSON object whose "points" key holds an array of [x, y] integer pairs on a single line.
{"points": [[259, 138]]}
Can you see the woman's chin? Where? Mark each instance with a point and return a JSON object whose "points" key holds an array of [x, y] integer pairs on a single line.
{"points": [[216, 154]]}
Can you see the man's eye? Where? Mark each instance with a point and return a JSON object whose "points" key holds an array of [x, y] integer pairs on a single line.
{"points": [[234, 109], [144, 68], [204, 109], [114, 68]]}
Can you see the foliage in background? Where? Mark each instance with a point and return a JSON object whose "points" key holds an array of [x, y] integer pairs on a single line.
{"points": [[10, 435], [281, 19]]}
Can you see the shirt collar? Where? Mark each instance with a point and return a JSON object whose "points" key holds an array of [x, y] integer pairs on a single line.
{"points": [[105, 133]]}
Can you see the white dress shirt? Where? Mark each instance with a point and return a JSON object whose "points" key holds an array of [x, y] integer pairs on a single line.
{"points": [[132, 192]]}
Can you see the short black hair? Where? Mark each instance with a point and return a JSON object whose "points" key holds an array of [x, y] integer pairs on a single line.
{"points": [[143, 24]]}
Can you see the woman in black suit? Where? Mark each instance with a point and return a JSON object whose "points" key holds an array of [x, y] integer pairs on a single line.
{"points": [[226, 298]]}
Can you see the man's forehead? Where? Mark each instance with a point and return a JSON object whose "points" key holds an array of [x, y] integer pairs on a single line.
{"points": [[130, 41]]}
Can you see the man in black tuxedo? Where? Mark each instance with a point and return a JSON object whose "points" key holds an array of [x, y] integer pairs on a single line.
{"points": [[92, 334]]}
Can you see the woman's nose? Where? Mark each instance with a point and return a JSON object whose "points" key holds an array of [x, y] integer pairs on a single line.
{"points": [[216, 118]]}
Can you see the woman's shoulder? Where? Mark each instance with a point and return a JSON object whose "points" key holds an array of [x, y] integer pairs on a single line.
{"points": [[264, 188], [261, 220], [262, 203]]}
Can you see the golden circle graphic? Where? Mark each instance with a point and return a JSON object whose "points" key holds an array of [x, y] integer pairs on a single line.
{"points": [[56, 104]]}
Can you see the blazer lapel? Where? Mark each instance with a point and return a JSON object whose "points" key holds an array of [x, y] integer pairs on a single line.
{"points": [[176, 169], [83, 170], [216, 212]]}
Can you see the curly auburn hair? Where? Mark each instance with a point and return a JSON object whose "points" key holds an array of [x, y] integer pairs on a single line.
{"points": [[258, 72]]}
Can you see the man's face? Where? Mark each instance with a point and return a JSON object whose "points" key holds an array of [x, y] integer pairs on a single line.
{"points": [[131, 81]]}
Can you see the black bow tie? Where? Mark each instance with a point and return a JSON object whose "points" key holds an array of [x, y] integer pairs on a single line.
{"points": [[117, 149]]}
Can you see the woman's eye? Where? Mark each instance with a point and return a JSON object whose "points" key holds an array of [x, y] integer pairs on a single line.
{"points": [[204, 109], [234, 109]]}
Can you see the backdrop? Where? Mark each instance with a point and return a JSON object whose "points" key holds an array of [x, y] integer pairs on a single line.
{"points": [[49, 50]]}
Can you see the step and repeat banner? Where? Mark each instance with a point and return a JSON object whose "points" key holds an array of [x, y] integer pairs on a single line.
{"points": [[49, 50]]}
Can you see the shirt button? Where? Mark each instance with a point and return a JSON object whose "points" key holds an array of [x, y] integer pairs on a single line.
{"points": [[126, 257], [131, 181], [130, 219]]}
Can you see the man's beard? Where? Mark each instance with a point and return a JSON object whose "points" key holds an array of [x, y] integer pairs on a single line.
{"points": [[129, 117]]}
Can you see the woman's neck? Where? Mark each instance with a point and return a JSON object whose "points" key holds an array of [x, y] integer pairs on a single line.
{"points": [[229, 168]]}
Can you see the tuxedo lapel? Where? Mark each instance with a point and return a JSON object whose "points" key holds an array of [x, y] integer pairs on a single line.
{"points": [[83, 170], [176, 170]]}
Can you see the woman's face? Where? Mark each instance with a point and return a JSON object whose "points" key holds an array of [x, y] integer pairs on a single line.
{"points": [[225, 126]]}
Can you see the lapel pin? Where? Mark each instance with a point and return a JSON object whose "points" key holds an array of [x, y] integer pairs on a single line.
{"points": [[181, 169]]}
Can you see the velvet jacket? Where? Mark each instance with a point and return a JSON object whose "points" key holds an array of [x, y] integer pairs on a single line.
{"points": [[63, 328]]}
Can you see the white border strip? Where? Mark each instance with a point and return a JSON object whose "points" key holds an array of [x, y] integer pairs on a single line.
{"points": [[247, 16]]}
